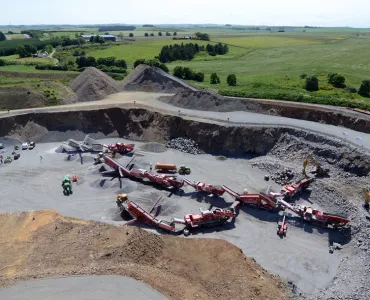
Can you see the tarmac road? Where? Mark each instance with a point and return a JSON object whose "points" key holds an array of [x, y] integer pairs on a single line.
{"points": [[237, 118], [107, 287]]}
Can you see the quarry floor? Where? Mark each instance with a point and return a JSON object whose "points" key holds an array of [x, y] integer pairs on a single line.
{"points": [[34, 183]]}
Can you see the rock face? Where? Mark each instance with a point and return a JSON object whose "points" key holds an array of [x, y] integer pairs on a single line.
{"points": [[203, 100], [18, 97], [92, 84], [151, 79], [144, 125]]}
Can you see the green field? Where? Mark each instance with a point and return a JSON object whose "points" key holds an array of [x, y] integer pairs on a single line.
{"points": [[26, 60], [267, 64]]}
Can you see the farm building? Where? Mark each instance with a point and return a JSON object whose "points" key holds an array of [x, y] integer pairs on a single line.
{"points": [[107, 37]]}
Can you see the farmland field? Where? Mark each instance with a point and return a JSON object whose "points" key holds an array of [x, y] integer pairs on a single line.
{"points": [[26, 60]]}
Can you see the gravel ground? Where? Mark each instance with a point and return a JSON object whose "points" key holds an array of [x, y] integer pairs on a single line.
{"points": [[303, 257], [81, 288]]}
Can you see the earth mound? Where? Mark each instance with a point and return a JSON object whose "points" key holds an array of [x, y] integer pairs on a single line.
{"points": [[151, 79], [93, 84], [154, 147], [17, 97], [40, 244]]}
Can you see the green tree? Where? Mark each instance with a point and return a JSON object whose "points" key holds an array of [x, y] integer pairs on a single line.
{"points": [[131, 34], [365, 89], [311, 84], [152, 34], [139, 62], [146, 34], [30, 49], [160, 33], [175, 33], [168, 34], [199, 77], [2, 63], [231, 80], [21, 51], [48, 48], [337, 80], [90, 61], [202, 36], [215, 79], [121, 63], [2, 37], [178, 71], [188, 74]]}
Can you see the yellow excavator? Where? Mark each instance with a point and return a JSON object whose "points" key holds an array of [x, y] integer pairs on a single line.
{"points": [[318, 171]]}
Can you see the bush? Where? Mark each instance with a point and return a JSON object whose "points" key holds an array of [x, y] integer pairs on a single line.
{"points": [[231, 80], [152, 34], [311, 84], [120, 63], [146, 34], [178, 72], [303, 76], [131, 35], [351, 90], [199, 77], [336, 80], [51, 67], [160, 33], [139, 62], [365, 89], [188, 74], [117, 76], [164, 67], [214, 78], [2, 62]]}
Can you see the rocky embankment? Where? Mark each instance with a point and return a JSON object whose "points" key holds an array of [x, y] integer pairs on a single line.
{"points": [[141, 124], [203, 100]]}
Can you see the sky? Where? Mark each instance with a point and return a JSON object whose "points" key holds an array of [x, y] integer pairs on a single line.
{"points": [[330, 13]]}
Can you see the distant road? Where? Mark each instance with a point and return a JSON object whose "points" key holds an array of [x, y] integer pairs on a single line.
{"points": [[237, 118]]}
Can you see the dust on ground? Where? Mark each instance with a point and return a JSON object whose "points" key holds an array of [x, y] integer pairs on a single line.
{"points": [[43, 244]]}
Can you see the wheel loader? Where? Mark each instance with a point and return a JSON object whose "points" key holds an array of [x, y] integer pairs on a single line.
{"points": [[67, 186]]}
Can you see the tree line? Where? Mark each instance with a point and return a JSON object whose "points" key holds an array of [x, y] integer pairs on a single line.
{"points": [[337, 80], [116, 28], [91, 61], [187, 51]]}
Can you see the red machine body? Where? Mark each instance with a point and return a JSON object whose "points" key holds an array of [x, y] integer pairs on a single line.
{"points": [[317, 216], [257, 200], [120, 147], [217, 216], [291, 190], [282, 227], [206, 188], [165, 180]]}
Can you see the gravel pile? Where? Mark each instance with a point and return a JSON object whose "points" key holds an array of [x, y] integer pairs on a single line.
{"points": [[184, 145], [151, 79], [283, 177], [93, 84]]}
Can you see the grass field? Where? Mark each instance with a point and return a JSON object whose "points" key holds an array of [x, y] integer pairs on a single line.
{"points": [[17, 36], [26, 60], [268, 64], [132, 51]]}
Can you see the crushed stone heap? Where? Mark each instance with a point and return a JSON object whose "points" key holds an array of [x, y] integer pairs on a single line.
{"points": [[93, 84], [151, 79], [184, 145]]}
